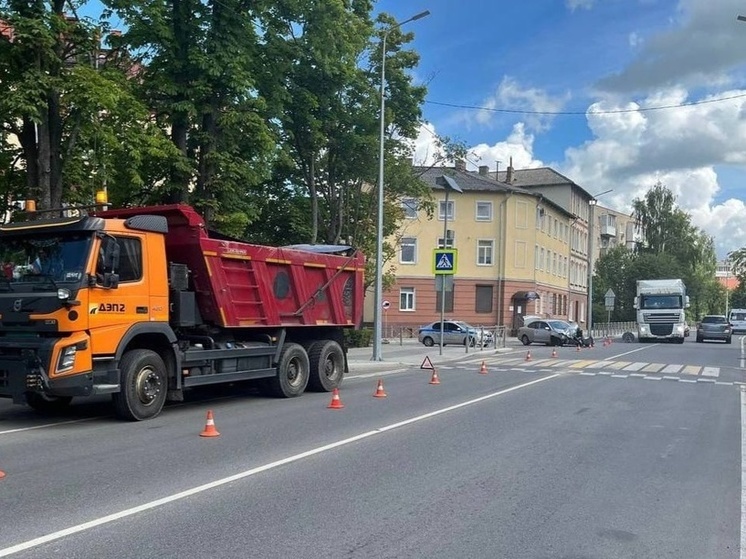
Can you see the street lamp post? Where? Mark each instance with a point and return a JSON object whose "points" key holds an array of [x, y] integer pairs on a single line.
{"points": [[591, 236], [378, 299]]}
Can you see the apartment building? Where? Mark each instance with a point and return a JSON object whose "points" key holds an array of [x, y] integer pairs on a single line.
{"points": [[514, 255]]}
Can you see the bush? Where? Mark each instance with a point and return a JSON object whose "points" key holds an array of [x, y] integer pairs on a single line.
{"points": [[359, 338]]}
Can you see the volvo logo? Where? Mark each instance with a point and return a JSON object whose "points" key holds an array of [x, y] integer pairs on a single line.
{"points": [[18, 305]]}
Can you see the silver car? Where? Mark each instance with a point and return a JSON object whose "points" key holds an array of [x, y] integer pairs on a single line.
{"points": [[549, 332], [454, 332], [714, 327]]}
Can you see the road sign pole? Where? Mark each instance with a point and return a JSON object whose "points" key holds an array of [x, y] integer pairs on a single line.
{"points": [[443, 282]]}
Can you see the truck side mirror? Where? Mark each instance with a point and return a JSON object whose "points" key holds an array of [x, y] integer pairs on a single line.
{"points": [[686, 302], [636, 303], [108, 264]]}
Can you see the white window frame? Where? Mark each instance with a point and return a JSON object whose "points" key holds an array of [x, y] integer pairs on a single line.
{"points": [[483, 250], [451, 210], [410, 207], [483, 204], [413, 244], [451, 241], [409, 293]]}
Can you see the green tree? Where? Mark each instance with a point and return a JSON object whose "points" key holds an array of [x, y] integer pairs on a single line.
{"points": [[199, 62], [70, 104]]}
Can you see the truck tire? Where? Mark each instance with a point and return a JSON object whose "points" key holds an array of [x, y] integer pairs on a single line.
{"points": [[144, 385], [292, 373], [327, 366], [47, 404]]}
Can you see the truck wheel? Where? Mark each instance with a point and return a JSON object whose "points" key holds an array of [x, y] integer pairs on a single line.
{"points": [[47, 404], [292, 373], [327, 366], [143, 386]]}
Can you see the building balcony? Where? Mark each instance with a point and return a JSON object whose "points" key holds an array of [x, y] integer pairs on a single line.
{"points": [[608, 230]]}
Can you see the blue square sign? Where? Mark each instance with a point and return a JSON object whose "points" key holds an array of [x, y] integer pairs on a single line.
{"points": [[444, 261]]}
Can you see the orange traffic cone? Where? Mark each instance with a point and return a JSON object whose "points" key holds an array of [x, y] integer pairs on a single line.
{"points": [[483, 369], [434, 379], [379, 390], [336, 403], [528, 355], [209, 430], [554, 353], [2, 474]]}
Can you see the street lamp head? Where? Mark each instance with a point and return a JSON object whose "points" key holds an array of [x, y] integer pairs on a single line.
{"points": [[448, 183], [421, 15]]}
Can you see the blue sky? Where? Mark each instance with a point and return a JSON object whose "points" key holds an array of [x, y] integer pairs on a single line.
{"points": [[596, 55]]}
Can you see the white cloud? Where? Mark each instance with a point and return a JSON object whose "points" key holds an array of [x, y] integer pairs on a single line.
{"points": [[703, 42], [573, 5], [511, 95], [680, 147], [519, 145]]}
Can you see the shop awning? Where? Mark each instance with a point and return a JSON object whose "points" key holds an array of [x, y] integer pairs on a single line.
{"points": [[526, 295]]}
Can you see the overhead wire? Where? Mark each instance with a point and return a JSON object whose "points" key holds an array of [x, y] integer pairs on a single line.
{"points": [[583, 113]]}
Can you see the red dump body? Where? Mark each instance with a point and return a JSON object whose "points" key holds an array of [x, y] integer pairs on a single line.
{"points": [[242, 285]]}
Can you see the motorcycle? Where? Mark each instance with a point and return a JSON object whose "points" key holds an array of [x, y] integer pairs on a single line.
{"points": [[577, 339]]}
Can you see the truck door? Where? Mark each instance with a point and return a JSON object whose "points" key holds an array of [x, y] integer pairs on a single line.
{"points": [[114, 308]]}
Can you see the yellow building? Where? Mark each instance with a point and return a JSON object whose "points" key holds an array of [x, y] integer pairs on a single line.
{"points": [[514, 255]]}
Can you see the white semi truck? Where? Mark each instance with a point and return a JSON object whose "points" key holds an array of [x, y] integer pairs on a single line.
{"points": [[660, 308]]}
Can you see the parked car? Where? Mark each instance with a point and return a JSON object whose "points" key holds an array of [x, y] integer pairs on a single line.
{"points": [[454, 332], [714, 327], [549, 332]]}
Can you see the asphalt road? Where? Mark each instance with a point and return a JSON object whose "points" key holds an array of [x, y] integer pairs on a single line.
{"points": [[608, 452]]}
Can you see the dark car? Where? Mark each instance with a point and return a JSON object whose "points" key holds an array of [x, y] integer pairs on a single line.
{"points": [[549, 332], [454, 332], [714, 327]]}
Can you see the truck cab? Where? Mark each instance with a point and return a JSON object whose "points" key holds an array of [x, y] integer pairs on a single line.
{"points": [[659, 306]]}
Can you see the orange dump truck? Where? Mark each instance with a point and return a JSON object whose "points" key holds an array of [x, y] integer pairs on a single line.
{"points": [[143, 303]]}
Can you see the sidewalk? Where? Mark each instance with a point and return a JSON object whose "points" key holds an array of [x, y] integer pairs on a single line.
{"points": [[411, 353]]}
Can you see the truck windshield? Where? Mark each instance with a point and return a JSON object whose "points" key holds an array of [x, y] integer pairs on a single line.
{"points": [[661, 302], [42, 261]]}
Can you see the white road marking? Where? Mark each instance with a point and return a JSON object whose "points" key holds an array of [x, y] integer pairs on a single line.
{"points": [[635, 366], [711, 372], [30, 544], [673, 368], [743, 474], [652, 378], [35, 427]]}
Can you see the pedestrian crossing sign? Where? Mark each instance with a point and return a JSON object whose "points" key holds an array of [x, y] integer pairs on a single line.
{"points": [[444, 261]]}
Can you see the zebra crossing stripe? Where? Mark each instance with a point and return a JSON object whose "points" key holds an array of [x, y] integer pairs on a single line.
{"points": [[672, 368], [635, 366], [599, 364], [691, 370], [581, 364], [654, 367], [618, 364], [711, 372]]}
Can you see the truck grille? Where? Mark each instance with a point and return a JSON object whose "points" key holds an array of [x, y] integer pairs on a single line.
{"points": [[661, 318], [661, 329]]}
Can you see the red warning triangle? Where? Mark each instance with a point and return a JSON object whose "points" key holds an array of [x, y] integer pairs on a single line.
{"points": [[427, 364]]}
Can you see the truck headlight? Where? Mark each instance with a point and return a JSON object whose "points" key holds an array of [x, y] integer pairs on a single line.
{"points": [[643, 328], [67, 358], [63, 294], [680, 329]]}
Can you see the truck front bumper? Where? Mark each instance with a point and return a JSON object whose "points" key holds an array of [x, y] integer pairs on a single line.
{"points": [[22, 370]]}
